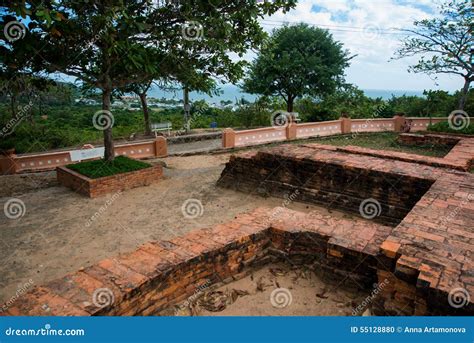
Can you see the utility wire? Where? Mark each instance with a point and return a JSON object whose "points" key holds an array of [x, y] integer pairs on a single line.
{"points": [[340, 28]]}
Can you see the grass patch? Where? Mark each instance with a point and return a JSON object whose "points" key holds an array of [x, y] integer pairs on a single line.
{"points": [[100, 168], [385, 141], [444, 127]]}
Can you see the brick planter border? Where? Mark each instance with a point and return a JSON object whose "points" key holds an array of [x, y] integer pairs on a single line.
{"points": [[98, 187]]}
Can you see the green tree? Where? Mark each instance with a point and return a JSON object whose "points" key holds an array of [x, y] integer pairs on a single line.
{"points": [[298, 60], [96, 42], [113, 43], [438, 103], [444, 43]]}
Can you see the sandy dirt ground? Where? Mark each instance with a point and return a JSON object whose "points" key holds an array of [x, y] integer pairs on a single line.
{"points": [[276, 290], [62, 231]]}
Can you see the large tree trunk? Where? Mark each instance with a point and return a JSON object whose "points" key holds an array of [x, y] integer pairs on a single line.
{"points": [[289, 104], [465, 90], [109, 153], [146, 115], [13, 105], [187, 126]]}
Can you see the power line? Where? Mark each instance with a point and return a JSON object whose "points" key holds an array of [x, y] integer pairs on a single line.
{"points": [[340, 28]]}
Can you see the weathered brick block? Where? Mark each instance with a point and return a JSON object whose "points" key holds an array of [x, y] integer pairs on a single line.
{"points": [[98, 187]]}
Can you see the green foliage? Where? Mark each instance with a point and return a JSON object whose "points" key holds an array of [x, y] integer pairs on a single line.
{"points": [[298, 60], [101, 168], [385, 141], [64, 126], [347, 99], [110, 45], [71, 126], [351, 100], [444, 44], [444, 127]]}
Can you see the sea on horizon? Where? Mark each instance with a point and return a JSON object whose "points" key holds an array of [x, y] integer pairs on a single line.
{"points": [[233, 93]]}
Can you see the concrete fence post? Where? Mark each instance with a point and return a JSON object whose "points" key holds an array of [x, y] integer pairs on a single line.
{"points": [[346, 125], [291, 130], [398, 122], [8, 164], [161, 147], [228, 138]]}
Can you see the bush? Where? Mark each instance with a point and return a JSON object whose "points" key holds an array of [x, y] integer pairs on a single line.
{"points": [[444, 127], [100, 168]]}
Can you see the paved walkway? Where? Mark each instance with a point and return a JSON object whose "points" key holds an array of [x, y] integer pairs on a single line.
{"points": [[197, 146]]}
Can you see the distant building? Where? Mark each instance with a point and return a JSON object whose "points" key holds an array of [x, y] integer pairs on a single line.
{"points": [[89, 102]]}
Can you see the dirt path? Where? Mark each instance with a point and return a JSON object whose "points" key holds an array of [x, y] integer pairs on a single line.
{"points": [[62, 231], [197, 146]]}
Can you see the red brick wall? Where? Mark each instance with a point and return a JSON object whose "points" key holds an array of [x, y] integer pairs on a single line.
{"points": [[50, 160], [410, 138], [158, 275], [98, 187], [328, 177]]}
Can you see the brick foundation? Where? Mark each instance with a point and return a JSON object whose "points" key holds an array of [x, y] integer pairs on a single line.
{"points": [[411, 138], [429, 201], [422, 261], [161, 274], [101, 186], [322, 175], [158, 275]]}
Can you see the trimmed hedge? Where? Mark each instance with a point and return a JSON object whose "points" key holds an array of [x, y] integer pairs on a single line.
{"points": [[100, 168]]}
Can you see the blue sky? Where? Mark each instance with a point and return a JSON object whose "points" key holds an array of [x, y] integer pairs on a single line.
{"points": [[368, 28]]}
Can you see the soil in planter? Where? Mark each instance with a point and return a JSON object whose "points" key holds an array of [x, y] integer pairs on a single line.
{"points": [[100, 168], [277, 290]]}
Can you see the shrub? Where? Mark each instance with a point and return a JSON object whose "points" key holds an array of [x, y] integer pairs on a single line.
{"points": [[100, 168], [444, 127]]}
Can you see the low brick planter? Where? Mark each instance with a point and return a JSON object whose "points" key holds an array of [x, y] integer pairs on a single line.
{"points": [[98, 187]]}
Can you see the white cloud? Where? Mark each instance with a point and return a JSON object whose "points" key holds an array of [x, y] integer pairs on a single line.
{"points": [[364, 26]]}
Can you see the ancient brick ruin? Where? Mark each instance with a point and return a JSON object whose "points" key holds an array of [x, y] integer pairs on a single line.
{"points": [[420, 245], [427, 201]]}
